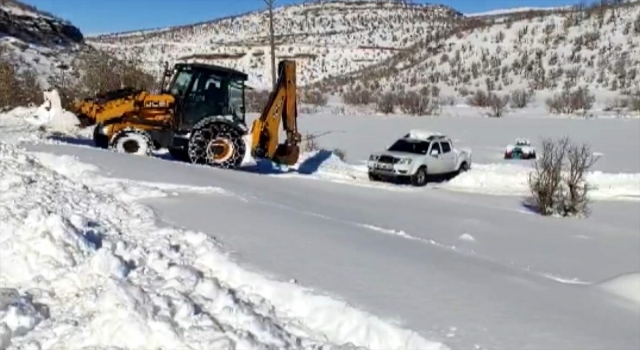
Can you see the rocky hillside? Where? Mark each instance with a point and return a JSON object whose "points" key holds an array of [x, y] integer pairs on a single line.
{"points": [[327, 38], [596, 47], [32, 39], [38, 50]]}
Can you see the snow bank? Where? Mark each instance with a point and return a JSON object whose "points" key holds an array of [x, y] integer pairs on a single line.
{"points": [[35, 124], [52, 115], [509, 179], [626, 286], [83, 266], [492, 179], [327, 164]]}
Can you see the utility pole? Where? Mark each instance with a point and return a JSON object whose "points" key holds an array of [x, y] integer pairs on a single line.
{"points": [[272, 42]]}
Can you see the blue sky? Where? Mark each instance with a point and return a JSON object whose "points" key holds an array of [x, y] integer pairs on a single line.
{"points": [[106, 16]]}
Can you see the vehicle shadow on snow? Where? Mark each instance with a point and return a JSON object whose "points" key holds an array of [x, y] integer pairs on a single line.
{"points": [[530, 206], [307, 167], [78, 141], [313, 163]]}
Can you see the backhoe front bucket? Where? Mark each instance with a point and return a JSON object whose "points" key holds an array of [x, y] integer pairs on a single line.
{"points": [[287, 154]]}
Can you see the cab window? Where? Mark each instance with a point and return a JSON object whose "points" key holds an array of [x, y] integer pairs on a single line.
{"points": [[181, 83], [436, 147]]}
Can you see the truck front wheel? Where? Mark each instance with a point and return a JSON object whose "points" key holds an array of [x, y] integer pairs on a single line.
{"points": [[420, 177]]}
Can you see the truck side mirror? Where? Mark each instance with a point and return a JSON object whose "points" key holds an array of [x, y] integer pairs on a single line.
{"points": [[434, 152]]}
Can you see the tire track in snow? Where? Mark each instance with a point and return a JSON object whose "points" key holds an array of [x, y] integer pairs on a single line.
{"points": [[431, 242], [471, 253]]}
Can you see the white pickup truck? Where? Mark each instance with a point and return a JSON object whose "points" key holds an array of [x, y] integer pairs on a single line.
{"points": [[416, 156]]}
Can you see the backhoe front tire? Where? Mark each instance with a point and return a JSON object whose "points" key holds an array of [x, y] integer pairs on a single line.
{"points": [[132, 142], [216, 144]]}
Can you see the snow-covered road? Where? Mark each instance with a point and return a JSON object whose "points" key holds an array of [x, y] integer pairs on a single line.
{"points": [[466, 270]]}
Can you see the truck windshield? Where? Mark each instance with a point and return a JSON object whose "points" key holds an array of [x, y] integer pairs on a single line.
{"points": [[415, 147]]}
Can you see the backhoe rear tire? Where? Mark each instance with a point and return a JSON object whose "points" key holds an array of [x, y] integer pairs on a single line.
{"points": [[132, 142], [216, 144]]}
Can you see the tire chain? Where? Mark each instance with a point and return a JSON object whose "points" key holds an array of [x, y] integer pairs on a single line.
{"points": [[203, 134]]}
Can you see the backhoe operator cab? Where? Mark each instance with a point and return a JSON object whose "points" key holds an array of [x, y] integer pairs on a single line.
{"points": [[209, 103], [203, 90]]}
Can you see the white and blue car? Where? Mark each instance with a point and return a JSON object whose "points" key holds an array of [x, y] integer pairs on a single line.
{"points": [[522, 149]]}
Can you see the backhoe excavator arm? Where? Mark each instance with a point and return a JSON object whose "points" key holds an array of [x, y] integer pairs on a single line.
{"points": [[282, 106]]}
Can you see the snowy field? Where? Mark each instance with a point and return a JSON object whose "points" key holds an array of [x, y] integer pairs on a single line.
{"points": [[131, 249]]}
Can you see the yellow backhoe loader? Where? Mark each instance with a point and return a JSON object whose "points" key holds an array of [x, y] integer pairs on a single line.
{"points": [[199, 117]]}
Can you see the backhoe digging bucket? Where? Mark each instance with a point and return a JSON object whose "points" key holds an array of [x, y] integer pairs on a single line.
{"points": [[287, 154]]}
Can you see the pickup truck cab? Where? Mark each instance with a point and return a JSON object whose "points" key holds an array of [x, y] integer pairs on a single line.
{"points": [[416, 156]]}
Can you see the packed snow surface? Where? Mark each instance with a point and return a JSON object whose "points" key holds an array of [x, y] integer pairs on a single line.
{"points": [[83, 265]]}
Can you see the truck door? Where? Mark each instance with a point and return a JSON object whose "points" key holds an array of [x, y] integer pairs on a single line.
{"points": [[436, 163], [448, 157]]}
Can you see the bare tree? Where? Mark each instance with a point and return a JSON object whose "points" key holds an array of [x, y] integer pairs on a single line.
{"points": [[575, 199], [385, 103], [497, 105], [272, 42], [546, 179], [558, 182]]}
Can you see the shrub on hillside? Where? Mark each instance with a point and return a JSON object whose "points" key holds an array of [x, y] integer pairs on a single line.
{"points": [[102, 72], [634, 102], [313, 97], [17, 88], [571, 101], [463, 91], [497, 105], [418, 103], [386, 102], [617, 105], [480, 98], [558, 183], [256, 100], [520, 98], [357, 97]]}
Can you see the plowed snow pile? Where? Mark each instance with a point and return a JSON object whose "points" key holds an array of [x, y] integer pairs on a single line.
{"points": [[626, 287], [508, 179], [493, 179], [81, 266]]}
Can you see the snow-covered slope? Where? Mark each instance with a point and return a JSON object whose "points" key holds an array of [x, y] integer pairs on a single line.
{"points": [[543, 50], [502, 12], [327, 38]]}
